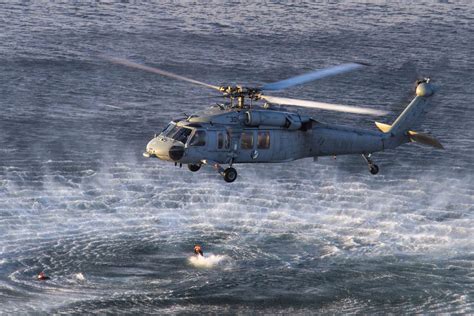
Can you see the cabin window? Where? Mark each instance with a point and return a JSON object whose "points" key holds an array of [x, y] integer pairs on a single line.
{"points": [[222, 140], [263, 140], [199, 139], [246, 140]]}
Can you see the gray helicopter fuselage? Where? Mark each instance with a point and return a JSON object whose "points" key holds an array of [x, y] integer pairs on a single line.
{"points": [[260, 136]]}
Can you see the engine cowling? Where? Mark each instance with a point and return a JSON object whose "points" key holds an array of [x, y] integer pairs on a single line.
{"points": [[276, 119], [257, 118]]}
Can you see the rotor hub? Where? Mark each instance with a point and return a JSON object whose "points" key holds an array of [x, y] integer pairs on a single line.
{"points": [[239, 91]]}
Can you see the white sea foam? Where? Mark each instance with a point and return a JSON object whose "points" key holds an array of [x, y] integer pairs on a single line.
{"points": [[79, 276], [206, 262]]}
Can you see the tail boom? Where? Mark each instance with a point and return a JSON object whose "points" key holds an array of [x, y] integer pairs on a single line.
{"points": [[400, 131]]}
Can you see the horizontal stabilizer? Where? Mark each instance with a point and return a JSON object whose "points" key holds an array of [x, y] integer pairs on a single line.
{"points": [[424, 139], [383, 127], [414, 136]]}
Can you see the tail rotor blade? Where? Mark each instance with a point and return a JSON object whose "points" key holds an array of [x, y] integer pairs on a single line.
{"points": [[311, 76], [323, 106], [165, 73]]}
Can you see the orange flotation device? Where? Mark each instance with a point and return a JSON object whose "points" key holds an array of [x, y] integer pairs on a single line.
{"points": [[41, 276]]}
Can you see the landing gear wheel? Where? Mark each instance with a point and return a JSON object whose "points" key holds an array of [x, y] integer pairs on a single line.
{"points": [[230, 174], [194, 167], [374, 169]]}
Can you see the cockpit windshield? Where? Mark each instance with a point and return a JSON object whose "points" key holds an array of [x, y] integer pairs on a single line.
{"points": [[168, 129], [177, 132]]}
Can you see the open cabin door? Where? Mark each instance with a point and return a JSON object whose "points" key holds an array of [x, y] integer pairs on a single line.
{"points": [[219, 145]]}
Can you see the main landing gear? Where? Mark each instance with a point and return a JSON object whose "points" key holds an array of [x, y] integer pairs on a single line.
{"points": [[229, 174], [373, 168]]}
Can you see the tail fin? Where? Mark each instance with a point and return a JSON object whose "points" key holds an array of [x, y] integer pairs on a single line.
{"points": [[413, 111], [410, 116]]}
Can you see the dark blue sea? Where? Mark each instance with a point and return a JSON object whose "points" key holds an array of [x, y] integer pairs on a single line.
{"points": [[115, 231]]}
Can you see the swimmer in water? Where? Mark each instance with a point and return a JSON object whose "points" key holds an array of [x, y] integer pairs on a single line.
{"points": [[198, 250], [42, 277]]}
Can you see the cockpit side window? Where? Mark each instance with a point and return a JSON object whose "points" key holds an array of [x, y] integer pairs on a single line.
{"points": [[199, 138], [182, 134]]}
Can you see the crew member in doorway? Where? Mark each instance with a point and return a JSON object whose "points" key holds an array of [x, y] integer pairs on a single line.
{"points": [[198, 250]]}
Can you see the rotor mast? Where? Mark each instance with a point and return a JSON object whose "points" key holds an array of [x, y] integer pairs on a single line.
{"points": [[240, 100], [239, 93]]}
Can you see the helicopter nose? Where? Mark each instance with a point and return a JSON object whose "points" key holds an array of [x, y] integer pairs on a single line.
{"points": [[151, 147], [165, 149]]}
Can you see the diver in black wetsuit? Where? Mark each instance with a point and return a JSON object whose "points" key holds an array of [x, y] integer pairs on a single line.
{"points": [[198, 250]]}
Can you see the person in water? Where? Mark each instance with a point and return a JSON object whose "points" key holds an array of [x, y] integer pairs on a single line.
{"points": [[41, 276], [198, 250]]}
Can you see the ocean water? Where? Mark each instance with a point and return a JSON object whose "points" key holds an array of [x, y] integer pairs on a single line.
{"points": [[115, 232]]}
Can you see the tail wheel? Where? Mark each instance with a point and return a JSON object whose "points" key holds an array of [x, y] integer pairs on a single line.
{"points": [[194, 167], [374, 169], [230, 174]]}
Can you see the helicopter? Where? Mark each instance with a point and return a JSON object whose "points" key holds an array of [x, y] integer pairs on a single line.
{"points": [[243, 132]]}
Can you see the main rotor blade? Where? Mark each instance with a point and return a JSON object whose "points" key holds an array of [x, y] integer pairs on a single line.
{"points": [[323, 106], [311, 76], [132, 64]]}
